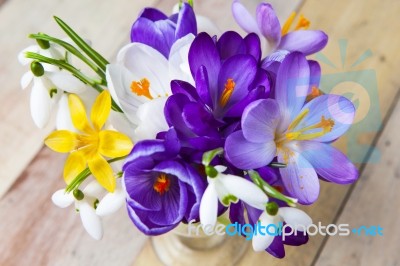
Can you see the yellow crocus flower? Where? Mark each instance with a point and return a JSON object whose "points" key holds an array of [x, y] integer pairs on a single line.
{"points": [[88, 148]]}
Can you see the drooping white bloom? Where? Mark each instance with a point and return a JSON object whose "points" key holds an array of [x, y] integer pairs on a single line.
{"points": [[139, 82], [226, 188], [294, 217]]}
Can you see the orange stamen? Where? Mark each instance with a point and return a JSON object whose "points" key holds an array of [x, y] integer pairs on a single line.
{"points": [[162, 184], [302, 24], [141, 88], [227, 92]]}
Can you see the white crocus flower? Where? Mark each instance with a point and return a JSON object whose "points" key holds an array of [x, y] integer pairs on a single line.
{"points": [[226, 188], [294, 217], [139, 82]]}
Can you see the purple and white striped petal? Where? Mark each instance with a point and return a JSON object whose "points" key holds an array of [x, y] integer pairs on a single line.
{"points": [[305, 41]]}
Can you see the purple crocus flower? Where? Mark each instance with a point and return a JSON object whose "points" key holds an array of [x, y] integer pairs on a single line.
{"points": [[298, 133], [162, 189], [266, 24], [157, 30], [222, 90]]}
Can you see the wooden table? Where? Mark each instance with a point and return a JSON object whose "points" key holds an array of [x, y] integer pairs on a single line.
{"points": [[34, 232]]}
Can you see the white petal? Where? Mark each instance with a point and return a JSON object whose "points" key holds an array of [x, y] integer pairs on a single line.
{"points": [[93, 189], [244, 190], [220, 168], [54, 52], [67, 82], [209, 206], [205, 24], [152, 119], [62, 199], [261, 242], [144, 61], [40, 103], [294, 216], [121, 123], [21, 56], [26, 79], [179, 59], [119, 80], [111, 203], [91, 222], [64, 120]]}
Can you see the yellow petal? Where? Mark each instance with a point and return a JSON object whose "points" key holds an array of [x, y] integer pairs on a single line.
{"points": [[103, 172], [114, 144], [101, 110], [61, 141], [78, 114], [74, 165]]}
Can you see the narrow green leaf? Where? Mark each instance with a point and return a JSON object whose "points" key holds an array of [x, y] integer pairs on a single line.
{"points": [[210, 155]]}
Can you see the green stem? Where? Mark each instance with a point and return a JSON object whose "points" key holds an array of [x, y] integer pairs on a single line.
{"points": [[73, 51], [93, 54], [78, 180], [270, 190]]}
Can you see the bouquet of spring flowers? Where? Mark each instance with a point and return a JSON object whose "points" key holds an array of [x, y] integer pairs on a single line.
{"points": [[189, 123]]}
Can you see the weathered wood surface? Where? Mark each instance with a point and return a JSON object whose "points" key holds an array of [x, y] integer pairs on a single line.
{"points": [[37, 233]]}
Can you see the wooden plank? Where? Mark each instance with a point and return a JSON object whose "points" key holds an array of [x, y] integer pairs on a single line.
{"points": [[105, 23], [35, 232], [373, 202], [345, 20]]}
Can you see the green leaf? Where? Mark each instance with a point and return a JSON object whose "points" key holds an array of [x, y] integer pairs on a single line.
{"points": [[93, 54], [210, 155]]}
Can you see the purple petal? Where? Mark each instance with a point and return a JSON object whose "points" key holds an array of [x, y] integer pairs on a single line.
{"points": [[276, 248], [152, 14], [269, 24], [329, 106], [299, 177], [140, 219], [242, 16], [330, 163], [236, 213], [203, 52], [253, 45], [295, 239], [159, 34], [229, 44], [200, 120], [259, 121], [186, 23], [292, 83], [173, 114], [315, 73], [305, 41], [203, 87], [248, 155], [237, 109], [179, 86], [242, 77]]}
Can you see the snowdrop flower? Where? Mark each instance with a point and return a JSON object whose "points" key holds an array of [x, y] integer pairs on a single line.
{"points": [[296, 218], [226, 189], [89, 207], [140, 84]]}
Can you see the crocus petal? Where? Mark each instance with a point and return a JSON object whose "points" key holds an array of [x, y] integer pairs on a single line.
{"points": [[63, 120], [259, 120], [253, 45], [244, 190], [103, 172], [67, 82], [91, 222], [61, 141], [205, 24], [248, 155], [329, 106], [153, 14], [294, 216], [114, 144], [78, 114], [299, 177], [40, 104], [179, 59], [74, 165], [243, 17], [101, 110], [121, 123], [330, 163], [111, 203], [305, 41], [292, 85], [62, 199], [315, 73], [186, 23], [209, 206], [229, 44], [261, 242], [268, 23]]}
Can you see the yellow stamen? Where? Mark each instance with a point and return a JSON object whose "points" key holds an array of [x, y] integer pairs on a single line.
{"points": [[302, 24], [288, 23], [161, 185], [325, 125], [227, 93], [141, 88], [298, 119], [315, 92]]}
